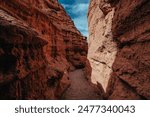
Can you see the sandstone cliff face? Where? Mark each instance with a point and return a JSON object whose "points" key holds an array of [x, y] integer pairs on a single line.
{"points": [[130, 77], [102, 48], [131, 30], [39, 44]]}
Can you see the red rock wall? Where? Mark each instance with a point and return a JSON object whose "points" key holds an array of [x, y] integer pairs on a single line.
{"points": [[37, 71], [131, 31]]}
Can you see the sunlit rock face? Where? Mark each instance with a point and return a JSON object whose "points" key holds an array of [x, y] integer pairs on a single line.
{"points": [[122, 28], [102, 48], [39, 44]]}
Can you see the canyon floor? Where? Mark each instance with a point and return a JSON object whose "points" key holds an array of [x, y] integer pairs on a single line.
{"points": [[80, 88]]}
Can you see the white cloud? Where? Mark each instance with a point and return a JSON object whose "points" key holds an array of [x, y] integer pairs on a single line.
{"points": [[65, 5], [78, 12], [81, 24], [79, 8]]}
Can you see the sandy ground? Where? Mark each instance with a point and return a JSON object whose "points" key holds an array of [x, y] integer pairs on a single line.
{"points": [[80, 88]]}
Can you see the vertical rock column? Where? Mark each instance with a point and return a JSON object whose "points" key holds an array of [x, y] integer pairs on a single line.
{"points": [[102, 48]]}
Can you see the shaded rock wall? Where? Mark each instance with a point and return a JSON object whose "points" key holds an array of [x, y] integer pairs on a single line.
{"points": [[41, 44], [131, 31], [129, 77], [22, 62]]}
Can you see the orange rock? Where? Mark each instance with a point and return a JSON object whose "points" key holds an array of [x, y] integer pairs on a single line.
{"points": [[38, 44]]}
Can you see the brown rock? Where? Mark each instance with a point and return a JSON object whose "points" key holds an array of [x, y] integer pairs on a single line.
{"points": [[39, 42], [131, 31], [123, 91]]}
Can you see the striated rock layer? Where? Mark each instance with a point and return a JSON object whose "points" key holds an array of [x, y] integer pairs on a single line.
{"points": [[129, 77], [39, 44]]}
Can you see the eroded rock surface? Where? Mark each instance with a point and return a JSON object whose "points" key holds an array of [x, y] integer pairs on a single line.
{"points": [[131, 30], [129, 62], [102, 48], [39, 44]]}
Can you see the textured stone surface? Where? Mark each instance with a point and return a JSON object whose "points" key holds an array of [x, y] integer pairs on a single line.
{"points": [[129, 77], [102, 49], [131, 30], [35, 71]]}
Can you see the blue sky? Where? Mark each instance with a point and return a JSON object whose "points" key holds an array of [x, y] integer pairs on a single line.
{"points": [[77, 9]]}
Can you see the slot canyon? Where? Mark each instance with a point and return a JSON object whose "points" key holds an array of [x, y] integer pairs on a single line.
{"points": [[43, 56]]}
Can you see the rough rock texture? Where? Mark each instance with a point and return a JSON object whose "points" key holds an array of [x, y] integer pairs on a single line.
{"points": [[102, 49], [130, 77], [39, 44], [131, 31]]}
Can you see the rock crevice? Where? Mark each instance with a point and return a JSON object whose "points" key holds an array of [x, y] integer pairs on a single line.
{"points": [[129, 39]]}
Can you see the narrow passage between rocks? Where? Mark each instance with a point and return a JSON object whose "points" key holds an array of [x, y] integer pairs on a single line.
{"points": [[80, 88]]}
